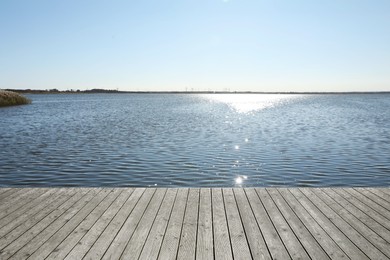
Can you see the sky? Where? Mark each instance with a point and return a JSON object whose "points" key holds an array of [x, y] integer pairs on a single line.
{"points": [[235, 45]]}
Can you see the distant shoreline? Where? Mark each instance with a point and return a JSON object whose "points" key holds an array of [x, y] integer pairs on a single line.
{"points": [[104, 91]]}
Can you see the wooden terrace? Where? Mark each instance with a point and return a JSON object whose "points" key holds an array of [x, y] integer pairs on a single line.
{"points": [[193, 223]]}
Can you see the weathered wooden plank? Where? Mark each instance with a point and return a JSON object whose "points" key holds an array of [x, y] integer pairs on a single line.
{"points": [[339, 237], [344, 226], [53, 251], [171, 239], [9, 194], [2, 190], [115, 228], [187, 246], [86, 242], [20, 216], [19, 201], [75, 223], [326, 242], [140, 234], [204, 245], [55, 239], [126, 232], [254, 236], [378, 200], [47, 247], [335, 202], [44, 229], [151, 247], [370, 217], [19, 195], [385, 190], [363, 207], [291, 242], [380, 193], [369, 203], [237, 233], [311, 246], [23, 223], [222, 247], [271, 236]]}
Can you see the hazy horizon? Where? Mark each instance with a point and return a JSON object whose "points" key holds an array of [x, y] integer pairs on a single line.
{"points": [[221, 45]]}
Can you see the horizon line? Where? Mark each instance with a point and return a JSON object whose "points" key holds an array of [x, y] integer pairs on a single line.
{"points": [[54, 91]]}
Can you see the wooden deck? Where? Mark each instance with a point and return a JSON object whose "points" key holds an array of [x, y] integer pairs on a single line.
{"points": [[114, 223]]}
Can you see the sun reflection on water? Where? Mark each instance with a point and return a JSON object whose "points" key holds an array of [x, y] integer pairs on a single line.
{"points": [[245, 103], [240, 179]]}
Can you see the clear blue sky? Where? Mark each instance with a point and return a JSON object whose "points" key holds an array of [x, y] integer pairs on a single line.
{"points": [[241, 45]]}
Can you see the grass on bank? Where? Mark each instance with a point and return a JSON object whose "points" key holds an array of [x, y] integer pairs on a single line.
{"points": [[9, 98]]}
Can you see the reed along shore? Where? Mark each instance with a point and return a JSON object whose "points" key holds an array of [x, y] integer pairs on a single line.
{"points": [[9, 98]]}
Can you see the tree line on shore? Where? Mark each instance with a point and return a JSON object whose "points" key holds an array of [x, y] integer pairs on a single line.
{"points": [[97, 90], [56, 91]]}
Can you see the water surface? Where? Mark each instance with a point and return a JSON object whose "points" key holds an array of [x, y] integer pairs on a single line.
{"points": [[174, 140]]}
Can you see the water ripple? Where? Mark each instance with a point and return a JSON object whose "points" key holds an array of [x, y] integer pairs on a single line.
{"points": [[196, 141]]}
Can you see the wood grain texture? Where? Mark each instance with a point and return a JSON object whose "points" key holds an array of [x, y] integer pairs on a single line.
{"points": [[187, 246], [240, 246], [195, 223], [222, 248], [320, 235], [171, 239]]}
